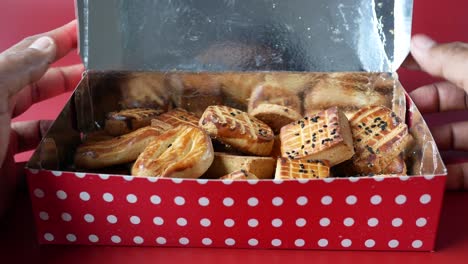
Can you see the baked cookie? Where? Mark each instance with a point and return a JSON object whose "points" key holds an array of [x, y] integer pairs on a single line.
{"points": [[118, 150], [125, 121], [239, 175], [223, 163], [177, 117], [288, 169], [325, 136], [275, 106], [182, 152], [380, 136], [238, 129]]}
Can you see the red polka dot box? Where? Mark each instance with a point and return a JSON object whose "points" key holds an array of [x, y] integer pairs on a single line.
{"points": [[90, 207]]}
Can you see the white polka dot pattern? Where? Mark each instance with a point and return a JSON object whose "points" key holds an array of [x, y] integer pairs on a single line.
{"points": [[134, 211], [400, 199], [108, 197], [66, 217], [158, 221], [93, 238], [346, 242], [155, 199], [327, 200], [393, 243], [370, 243], [322, 242], [351, 199], [425, 199], [276, 242], [161, 240], [179, 200], [397, 222], [376, 199], [44, 216], [39, 193], [138, 240], [373, 222], [229, 223], [85, 196], [131, 198], [205, 222], [71, 237], [277, 201], [252, 201], [325, 222], [277, 222], [228, 201], [421, 222], [253, 242], [112, 219], [253, 222], [135, 220], [301, 222], [299, 242], [302, 200], [348, 221], [181, 221], [207, 241], [61, 195], [203, 201], [89, 218], [230, 242], [184, 241], [49, 237], [116, 239]]}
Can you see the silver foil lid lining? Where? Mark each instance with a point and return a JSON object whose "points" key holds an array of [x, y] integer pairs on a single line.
{"points": [[258, 35]]}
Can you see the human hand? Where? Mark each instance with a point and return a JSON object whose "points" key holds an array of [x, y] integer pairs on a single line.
{"points": [[25, 79], [449, 61]]}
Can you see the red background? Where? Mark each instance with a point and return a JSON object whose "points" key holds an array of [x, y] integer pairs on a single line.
{"points": [[443, 20]]}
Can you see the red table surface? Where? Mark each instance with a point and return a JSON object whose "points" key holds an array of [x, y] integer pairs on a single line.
{"points": [[443, 20]]}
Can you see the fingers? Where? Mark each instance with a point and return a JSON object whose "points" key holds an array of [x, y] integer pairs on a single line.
{"points": [[27, 61], [28, 134], [451, 136], [457, 177], [56, 81], [65, 38], [440, 97], [449, 61]]}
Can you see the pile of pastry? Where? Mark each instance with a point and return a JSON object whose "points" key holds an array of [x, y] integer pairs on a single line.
{"points": [[272, 139]]}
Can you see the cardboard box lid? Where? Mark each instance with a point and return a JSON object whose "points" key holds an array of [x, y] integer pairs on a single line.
{"points": [[229, 35]]}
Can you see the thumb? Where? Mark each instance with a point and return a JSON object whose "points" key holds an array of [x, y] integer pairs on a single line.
{"points": [[449, 61], [20, 67]]}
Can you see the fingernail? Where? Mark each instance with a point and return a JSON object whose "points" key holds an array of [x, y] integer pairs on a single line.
{"points": [[42, 43], [423, 42]]}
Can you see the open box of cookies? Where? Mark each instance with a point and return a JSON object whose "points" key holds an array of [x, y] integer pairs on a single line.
{"points": [[221, 135]]}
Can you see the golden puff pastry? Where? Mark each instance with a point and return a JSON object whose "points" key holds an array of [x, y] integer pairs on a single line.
{"points": [[380, 136], [325, 136], [274, 105], [125, 121], [238, 129], [118, 150], [182, 152], [177, 117], [287, 169]]}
